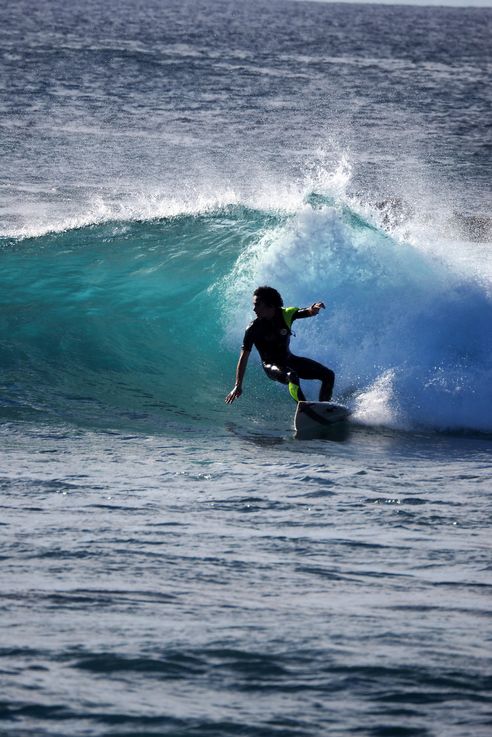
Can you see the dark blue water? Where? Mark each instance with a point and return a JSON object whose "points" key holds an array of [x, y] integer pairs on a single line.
{"points": [[175, 566]]}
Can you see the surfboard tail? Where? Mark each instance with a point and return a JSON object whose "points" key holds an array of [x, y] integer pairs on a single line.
{"points": [[317, 415]]}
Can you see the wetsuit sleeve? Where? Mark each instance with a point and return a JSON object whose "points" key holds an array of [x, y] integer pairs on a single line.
{"points": [[301, 313], [248, 340]]}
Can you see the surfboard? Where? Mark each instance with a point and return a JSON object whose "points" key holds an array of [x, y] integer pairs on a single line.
{"points": [[316, 415]]}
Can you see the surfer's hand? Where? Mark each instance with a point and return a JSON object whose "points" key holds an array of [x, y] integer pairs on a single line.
{"points": [[316, 307], [236, 392]]}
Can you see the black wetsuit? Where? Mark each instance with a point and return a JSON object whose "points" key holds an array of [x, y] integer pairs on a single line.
{"points": [[272, 341]]}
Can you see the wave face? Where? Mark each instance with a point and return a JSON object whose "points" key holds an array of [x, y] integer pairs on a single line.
{"points": [[141, 322]]}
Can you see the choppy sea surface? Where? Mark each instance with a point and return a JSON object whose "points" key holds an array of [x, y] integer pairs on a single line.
{"points": [[171, 565]]}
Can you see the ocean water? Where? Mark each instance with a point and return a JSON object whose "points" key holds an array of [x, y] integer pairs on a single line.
{"points": [[171, 565]]}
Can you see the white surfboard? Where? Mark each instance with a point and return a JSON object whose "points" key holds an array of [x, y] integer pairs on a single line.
{"points": [[316, 415]]}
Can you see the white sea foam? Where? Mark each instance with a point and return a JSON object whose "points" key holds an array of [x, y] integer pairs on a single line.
{"points": [[406, 326], [141, 206]]}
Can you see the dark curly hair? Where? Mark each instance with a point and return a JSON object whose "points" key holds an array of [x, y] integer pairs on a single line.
{"points": [[269, 296]]}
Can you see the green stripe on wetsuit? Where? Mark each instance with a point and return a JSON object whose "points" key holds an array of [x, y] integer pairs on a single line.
{"points": [[288, 315], [294, 391]]}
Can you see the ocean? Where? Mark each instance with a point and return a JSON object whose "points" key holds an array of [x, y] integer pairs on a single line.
{"points": [[170, 564]]}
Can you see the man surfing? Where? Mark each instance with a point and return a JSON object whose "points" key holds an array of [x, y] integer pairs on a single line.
{"points": [[270, 334]]}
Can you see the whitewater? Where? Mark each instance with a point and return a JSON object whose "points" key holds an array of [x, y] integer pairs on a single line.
{"points": [[172, 565]]}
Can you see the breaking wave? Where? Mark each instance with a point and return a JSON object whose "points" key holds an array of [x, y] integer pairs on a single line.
{"points": [[140, 321]]}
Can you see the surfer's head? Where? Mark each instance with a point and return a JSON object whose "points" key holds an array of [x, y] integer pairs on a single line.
{"points": [[266, 300]]}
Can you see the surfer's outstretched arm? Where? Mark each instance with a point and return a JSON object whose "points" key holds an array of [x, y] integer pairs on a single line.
{"points": [[240, 370], [310, 311]]}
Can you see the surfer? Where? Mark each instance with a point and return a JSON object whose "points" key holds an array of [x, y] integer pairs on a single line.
{"points": [[270, 333]]}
